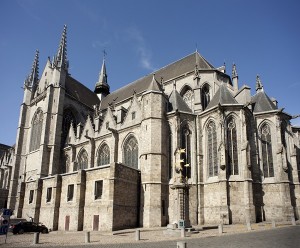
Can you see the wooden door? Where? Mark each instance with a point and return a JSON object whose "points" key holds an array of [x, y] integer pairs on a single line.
{"points": [[96, 223], [67, 223]]}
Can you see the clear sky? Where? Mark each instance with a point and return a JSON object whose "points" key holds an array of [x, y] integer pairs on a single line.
{"points": [[140, 36]]}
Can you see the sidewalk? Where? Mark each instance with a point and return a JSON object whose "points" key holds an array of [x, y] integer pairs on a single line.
{"points": [[62, 238]]}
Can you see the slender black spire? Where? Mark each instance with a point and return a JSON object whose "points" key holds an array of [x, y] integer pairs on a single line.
{"points": [[102, 87], [60, 60], [33, 78]]}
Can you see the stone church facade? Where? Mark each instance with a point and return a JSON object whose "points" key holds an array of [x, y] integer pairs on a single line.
{"points": [[186, 143]]}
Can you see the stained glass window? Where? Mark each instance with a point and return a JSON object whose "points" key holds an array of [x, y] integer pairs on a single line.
{"points": [[103, 155], [266, 145], [82, 160], [186, 144], [232, 147], [131, 151], [212, 155], [36, 131]]}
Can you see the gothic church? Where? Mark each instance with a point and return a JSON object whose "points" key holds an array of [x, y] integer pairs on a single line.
{"points": [[185, 143]]}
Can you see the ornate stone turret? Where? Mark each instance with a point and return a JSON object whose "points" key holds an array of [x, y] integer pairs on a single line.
{"points": [[259, 86], [235, 78], [102, 87], [60, 60], [33, 78]]}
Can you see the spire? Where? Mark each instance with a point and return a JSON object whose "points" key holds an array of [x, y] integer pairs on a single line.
{"points": [[259, 86], [60, 60], [234, 72], [102, 87], [32, 79], [154, 85]]}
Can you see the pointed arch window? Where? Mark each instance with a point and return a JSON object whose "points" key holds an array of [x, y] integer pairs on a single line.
{"points": [[67, 164], [212, 155], [83, 160], [205, 96], [188, 97], [232, 147], [103, 155], [68, 119], [266, 147], [36, 131], [131, 151], [186, 144]]}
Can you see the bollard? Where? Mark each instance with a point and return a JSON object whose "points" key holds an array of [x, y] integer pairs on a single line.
{"points": [[220, 228], [137, 235], [181, 244], [182, 232], [249, 226], [293, 221], [273, 224], [36, 237], [87, 237]]}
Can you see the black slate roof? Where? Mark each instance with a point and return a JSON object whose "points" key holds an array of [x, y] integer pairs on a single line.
{"points": [[176, 102], [262, 103], [222, 96], [80, 92], [168, 72]]}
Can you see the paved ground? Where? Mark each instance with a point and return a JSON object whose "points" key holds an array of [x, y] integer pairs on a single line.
{"points": [[284, 235]]}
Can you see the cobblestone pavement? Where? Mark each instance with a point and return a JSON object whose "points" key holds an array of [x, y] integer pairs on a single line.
{"points": [[148, 237]]}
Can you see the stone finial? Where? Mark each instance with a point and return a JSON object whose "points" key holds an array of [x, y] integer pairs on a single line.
{"points": [[32, 79], [234, 71], [259, 85], [60, 60]]}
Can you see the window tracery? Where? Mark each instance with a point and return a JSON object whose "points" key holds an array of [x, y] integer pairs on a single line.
{"points": [[36, 131], [205, 96], [212, 149], [82, 160], [186, 144], [267, 156], [232, 147], [103, 155], [188, 97], [131, 152]]}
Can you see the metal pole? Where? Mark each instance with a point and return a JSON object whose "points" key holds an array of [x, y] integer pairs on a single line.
{"points": [[36, 237], [87, 237], [137, 235]]}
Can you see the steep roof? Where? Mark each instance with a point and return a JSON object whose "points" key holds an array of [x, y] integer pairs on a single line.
{"points": [[80, 92], [261, 102], [168, 72], [222, 96], [176, 102]]}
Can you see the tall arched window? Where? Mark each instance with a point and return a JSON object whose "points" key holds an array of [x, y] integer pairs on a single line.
{"points": [[103, 155], [205, 96], [212, 146], [36, 131], [83, 160], [131, 151], [67, 164], [68, 118], [266, 147], [233, 167], [188, 97], [186, 144]]}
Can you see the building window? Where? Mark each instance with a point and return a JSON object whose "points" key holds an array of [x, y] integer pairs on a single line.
{"points": [[31, 193], [49, 195], [103, 155], [98, 189], [69, 121], [133, 115], [67, 164], [82, 160], [205, 96], [107, 125], [188, 97], [266, 147], [131, 151], [70, 194], [212, 155], [186, 144], [233, 167], [36, 131]]}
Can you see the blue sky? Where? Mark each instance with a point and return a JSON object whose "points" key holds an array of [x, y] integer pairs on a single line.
{"points": [[261, 37]]}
